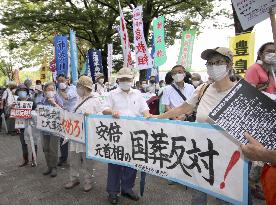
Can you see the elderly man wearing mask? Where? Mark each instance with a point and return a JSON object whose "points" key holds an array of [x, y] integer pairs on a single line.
{"points": [[219, 65], [49, 140], [123, 101], [99, 86], [261, 73], [69, 96], [88, 104]]}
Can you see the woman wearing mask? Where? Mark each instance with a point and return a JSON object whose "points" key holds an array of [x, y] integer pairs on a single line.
{"points": [[219, 66], [87, 104], [260, 73], [23, 95], [50, 141]]}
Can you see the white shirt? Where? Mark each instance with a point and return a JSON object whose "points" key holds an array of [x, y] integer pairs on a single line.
{"points": [[130, 104], [209, 100], [172, 98], [91, 106], [8, 95], [100, 88]]}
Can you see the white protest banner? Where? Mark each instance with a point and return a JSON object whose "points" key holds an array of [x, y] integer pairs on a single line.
{"points": [[251, 12], [20, 123], [197, 155], [61, 122], [143, 58], [109, 59], [22, 110]]}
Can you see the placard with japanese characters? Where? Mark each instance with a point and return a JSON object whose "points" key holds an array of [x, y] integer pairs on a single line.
{"points": [[22, 110], [61, 122], [245, 109], [197, 155]]}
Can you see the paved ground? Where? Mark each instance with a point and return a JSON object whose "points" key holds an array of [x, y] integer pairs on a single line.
{"points": [[24, 186]]}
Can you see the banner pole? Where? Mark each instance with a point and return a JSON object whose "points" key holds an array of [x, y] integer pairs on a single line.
{"points": [[273, 24]]}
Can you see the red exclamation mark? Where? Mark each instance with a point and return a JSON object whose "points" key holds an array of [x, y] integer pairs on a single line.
{"points": [[234, 159]]}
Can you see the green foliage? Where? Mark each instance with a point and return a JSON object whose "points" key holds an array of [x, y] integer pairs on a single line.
{"points": [[31, 25]]}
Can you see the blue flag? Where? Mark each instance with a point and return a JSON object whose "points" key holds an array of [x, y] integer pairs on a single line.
{"points": [[61, 54], [95, 62], [74, 57]]}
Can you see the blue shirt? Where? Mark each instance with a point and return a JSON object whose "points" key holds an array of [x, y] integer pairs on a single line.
{"points": [[70, 104]]}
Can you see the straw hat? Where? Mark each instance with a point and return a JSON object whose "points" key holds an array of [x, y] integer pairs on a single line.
{"points": [[85, 81], [125, 73]]}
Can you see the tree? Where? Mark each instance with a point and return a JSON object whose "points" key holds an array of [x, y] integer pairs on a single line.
{"points": [[37, 21]]}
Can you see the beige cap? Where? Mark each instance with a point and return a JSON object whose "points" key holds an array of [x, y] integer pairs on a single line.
{"points": [[125, 73], [98, 75], [207, 54], [85, 81]]}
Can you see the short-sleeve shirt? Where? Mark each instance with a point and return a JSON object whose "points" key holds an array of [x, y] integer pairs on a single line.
{"points": [[256, 75], [172, 98], [208, 101], [91, 106], [130, 104], [72, 94], [9, 97]]}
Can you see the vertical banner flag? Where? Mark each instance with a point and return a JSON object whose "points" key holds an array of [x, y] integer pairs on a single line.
{"points": [[43, 70], [143, 58], [109, 59], [186, 49], [61, 53], [74, 57], [154, 71], [95, 62], [124, 40], [243, 48], [160, 56]]}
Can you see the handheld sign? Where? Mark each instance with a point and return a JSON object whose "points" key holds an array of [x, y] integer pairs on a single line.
{"points": [[22, 110], [245, 109], [252, 12], [197, 155]]}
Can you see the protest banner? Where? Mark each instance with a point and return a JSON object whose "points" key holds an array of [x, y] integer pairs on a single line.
{"points": [[243, 48], [197, 155], [109, 60], [61, 122], [252, 12], [245, 109], [95, 62], [43, 70], [22, 110], [143, 57], [61, 54], [186, 49], [73, 57], [160, 56], [122, 30]]}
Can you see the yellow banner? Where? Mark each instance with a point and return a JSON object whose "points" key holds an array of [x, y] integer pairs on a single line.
{"points": [[243, 48], [43, 70]]}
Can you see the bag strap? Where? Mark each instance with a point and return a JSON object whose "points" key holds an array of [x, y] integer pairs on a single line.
{"points": [[179, 92], [96, 87], [205, 86], [82, 103]]}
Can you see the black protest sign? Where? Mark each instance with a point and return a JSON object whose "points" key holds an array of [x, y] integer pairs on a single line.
{"points": [[245, 108]]}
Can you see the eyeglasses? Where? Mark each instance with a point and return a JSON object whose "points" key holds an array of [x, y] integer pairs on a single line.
{"points": [[218, 62]]}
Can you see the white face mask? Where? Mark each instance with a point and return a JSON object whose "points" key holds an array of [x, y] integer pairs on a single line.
{"points": [[101, 81], [217, 72], [178, 77], [144, 86], [125, 85], [270, 58], [50, 94], [62, 86], [196, 83], [80, 92]]}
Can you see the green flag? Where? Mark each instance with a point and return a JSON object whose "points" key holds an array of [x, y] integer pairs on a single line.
{"points": [[186, 49], [160, 56]]}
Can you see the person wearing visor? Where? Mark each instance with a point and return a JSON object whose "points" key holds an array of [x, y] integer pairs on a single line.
{"points": [[124, 101], [99, 87], [219, 62]]}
